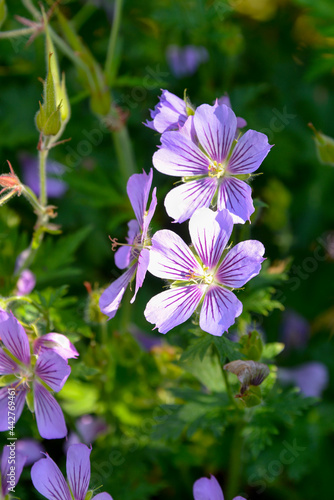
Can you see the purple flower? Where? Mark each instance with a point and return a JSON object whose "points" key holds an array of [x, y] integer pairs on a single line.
{"points": [[9, 482], [169, 114], [241, 123], [209, 489], [50, 482], [55, 187], [26, 282], [88, 429], [311, 378], [31, 448], [206, 279], [211, 169], [184, 61], [28, 373], [134, 255], [295, 330], [56, 342]]}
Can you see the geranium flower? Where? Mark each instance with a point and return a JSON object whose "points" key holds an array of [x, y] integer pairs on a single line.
{"points": [[8, 481], [50, 482], [26, 282], [211, 168], [169, 114], [184, 61], [311, 378], [204, 280], [134, 255], [209, 489], [27, 373]]}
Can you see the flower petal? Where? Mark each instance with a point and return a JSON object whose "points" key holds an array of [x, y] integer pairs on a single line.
{"points": [[52, 369], [179, 156], [207, 489], [171, 258], [20, 395], [102, 496], [219, 310], [7, 365], [31, 449], [241, 263], [210, 232], [123, 256], [55, 342], [14, 337], [149, 214], [49, 416], [215, 128], [173, 307], [138, 189], [78, 470], [143, 261], [249, 153], [182, 201], [49, 481], [236, 196], [168, 113], [111, 298], [20, 460]]}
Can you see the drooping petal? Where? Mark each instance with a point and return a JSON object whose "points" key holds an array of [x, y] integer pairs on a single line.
{"points": [[49, 416], [219, 310], [56, 342], [210, 232], [20, 461], [149, 214], [143, 261], [102, 496], [207, 489], [171, 258], [236, 196], [249, 153], [78, 470], [49, 481], [182, 201], [168, 114], [20, 394], [179, 156], [138, 189], [241, 263], [90, 428], [111, 298], [14, 337], [123, 256], [215, 128], [7, 365], [173, 307], [52, 369]]}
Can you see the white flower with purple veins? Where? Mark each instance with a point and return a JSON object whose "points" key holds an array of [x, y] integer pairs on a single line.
{"points": [[135, 254], [212, 163], [204, 281], [209, 489], [170, 113], [25, 373], [50, 482]]}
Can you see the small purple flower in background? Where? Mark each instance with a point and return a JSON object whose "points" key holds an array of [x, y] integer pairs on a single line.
{"points": [[30, 373], [295, 330], [311, 378], [88, 429], [207, 280], [50, 482], [241, 122], [209, 489], [134, 255], [169, 114], [55, 187], [211, 169], [26, 282], [9, 481], [31, 448], [184, 61]]}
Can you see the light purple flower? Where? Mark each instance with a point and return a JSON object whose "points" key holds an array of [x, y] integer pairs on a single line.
{"points": [[184, 61], [169, 114], [55, 186], [295, 330], [312, 378], [9, 482], [30, 373], [206, 280], [88, 429], [31, 448], [211, 168], [134, 255], [50, 482], [56, 342], [26, 282], [209, 489], [241, 122]]}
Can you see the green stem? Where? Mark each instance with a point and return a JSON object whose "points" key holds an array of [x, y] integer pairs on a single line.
{"points": [[124, 152], [234, 474], [42, 176], [32, 9], [30, 196], [228, 388], [110, 59], [16, 33]]}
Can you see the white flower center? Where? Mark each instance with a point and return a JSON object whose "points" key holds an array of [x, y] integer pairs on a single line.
{"points": [[217, 169]]}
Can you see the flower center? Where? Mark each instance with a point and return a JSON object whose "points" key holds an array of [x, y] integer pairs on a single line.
{"points": [[217, 169], [206, 278]]}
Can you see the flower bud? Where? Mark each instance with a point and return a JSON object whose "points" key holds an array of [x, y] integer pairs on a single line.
{"points": [[325, 147], [48, 119], [248, 373], [252, 346]]}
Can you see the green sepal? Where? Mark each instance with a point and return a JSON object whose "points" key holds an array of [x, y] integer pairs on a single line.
{"points": [[30, 401], [40, 118], [325, 147], [89, 495], [252, 397], [252, 346], [7, 380]]}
